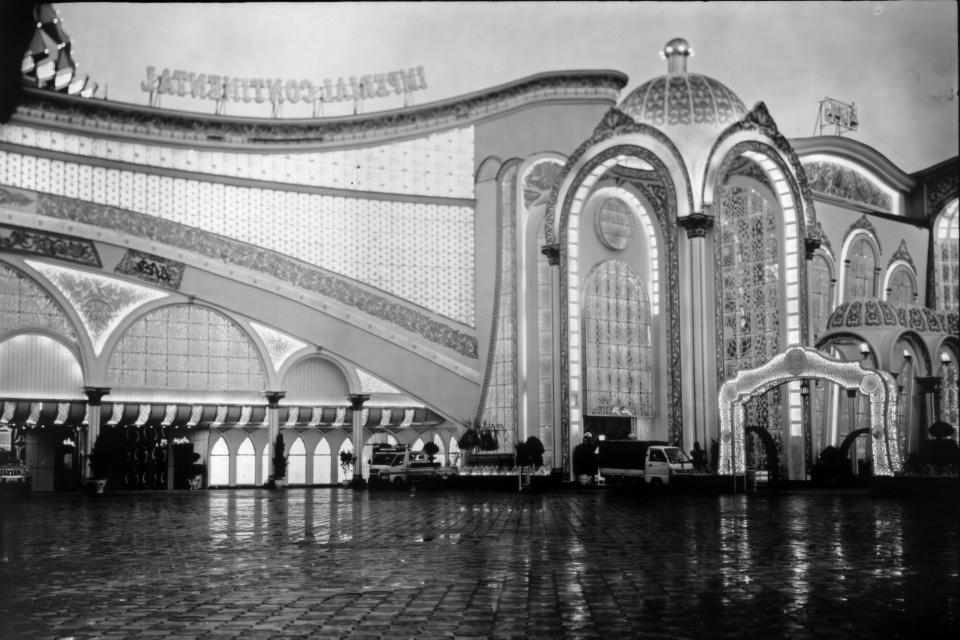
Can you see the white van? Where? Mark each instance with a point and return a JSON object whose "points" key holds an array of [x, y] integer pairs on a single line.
{"points": [[651, 461]]}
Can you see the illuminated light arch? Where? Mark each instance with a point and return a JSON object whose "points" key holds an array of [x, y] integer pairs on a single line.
{"points": [[794, 365], [575, 192]]}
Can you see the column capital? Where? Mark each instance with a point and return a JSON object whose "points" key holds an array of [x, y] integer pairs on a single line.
{"points": [[552, 251], [811, 245], [95, 394], [274, 398], [357, 400], [696, 224]]}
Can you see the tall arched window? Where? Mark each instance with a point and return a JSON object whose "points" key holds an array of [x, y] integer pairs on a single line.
{"points": [[750, 298], [946, 259], [342, 475], [219, 464], [618, 365], [246, 464], [820, 277], [321, 463], [902, 289], [949, 392], [297, 463], [861, 273]]}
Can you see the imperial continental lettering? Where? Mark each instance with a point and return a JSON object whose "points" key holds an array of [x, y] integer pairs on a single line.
{"points": [[211, 86]]}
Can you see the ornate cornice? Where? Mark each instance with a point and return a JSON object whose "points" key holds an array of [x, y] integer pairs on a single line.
{"points": [[902, 253], [56, 110], [862, 223], [760, 120]]}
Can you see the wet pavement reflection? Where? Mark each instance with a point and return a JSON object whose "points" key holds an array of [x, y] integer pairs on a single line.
{"points": [[316, 563]]}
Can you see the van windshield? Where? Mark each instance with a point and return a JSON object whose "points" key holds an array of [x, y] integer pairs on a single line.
{"points": [[676, 456]]}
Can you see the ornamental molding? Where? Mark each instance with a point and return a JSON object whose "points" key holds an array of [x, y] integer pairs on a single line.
{"points": [[862, 223], [614, 123], [52, 109], [153, 269], [49, 245], [941, 190], [283, 268], [903, 254], [539, 181], [280, 346], [759, 120], [101, 303], [14, 198], [838, 181]]}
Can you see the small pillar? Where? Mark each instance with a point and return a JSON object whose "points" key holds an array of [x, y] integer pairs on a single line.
{"points": [[356, 403], [559, 443], [273, 423], [94, 398]]}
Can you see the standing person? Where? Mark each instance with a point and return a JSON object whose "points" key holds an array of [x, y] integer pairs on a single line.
{"points": [[699, 457]]}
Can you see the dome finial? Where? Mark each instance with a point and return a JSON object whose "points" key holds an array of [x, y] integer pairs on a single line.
{"points": [[676, 52]]}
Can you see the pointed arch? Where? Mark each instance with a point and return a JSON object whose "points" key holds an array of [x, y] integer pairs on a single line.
{"points": [[322, 461], [219, 463], [246, 464]]}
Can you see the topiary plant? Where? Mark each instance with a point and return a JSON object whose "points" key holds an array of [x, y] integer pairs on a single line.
{"points": [[431, 449], [279, 460]]}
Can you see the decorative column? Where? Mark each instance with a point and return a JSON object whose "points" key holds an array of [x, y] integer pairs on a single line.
{"points": [[696, 225], [94, 397], [560, 441], [811, 244], [273, 423], [356, 403]]}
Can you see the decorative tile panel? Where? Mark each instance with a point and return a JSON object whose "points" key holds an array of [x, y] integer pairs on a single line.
{"points": [[280, 346], [101, 302], [24, 305], [49, 245], [186, 346], [269, 263], [372, 384], [843, 182], [153, 269], [438, 164], [420, 251]]}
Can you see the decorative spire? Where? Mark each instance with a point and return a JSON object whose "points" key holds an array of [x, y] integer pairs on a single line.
{"points": [[676, 53]]}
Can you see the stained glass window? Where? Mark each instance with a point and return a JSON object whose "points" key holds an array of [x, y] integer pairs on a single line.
{"points": [[821, 302], [861, 270], [750, 296], [500, 406], [946, 257], [617, 350], [544, 343], [903, 287], [949, 392]]}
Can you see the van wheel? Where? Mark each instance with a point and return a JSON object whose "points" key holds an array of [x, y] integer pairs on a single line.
{"points": [[398, 482], [656, 484]]}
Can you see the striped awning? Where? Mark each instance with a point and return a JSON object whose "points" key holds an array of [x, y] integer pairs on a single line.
{"points": [[16, 412]]}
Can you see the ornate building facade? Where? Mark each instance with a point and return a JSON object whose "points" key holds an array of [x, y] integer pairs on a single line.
{"points": [[547, 257]]}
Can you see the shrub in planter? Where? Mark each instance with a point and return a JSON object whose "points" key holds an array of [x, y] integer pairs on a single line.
{"points": [[279, 459], [530, 453], [431, 449]]}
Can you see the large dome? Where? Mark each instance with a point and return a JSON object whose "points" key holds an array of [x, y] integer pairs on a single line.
{"points": [[680, 98]]}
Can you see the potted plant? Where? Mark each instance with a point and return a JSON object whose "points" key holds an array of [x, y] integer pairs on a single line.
{"points": [[279, 462], [347, 459], [529, 458], [100, 464], [431, 449]]}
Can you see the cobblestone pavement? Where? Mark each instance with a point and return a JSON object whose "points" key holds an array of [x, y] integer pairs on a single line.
{"points": [[325, 563]]}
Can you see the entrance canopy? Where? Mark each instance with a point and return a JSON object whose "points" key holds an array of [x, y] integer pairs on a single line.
{"points": [[804, 363]]}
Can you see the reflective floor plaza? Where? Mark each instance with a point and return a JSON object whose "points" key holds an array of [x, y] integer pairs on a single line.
{"points": [[319, 563]]}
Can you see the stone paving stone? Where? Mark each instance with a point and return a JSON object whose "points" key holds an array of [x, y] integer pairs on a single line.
{"points": [[329, 563]]}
